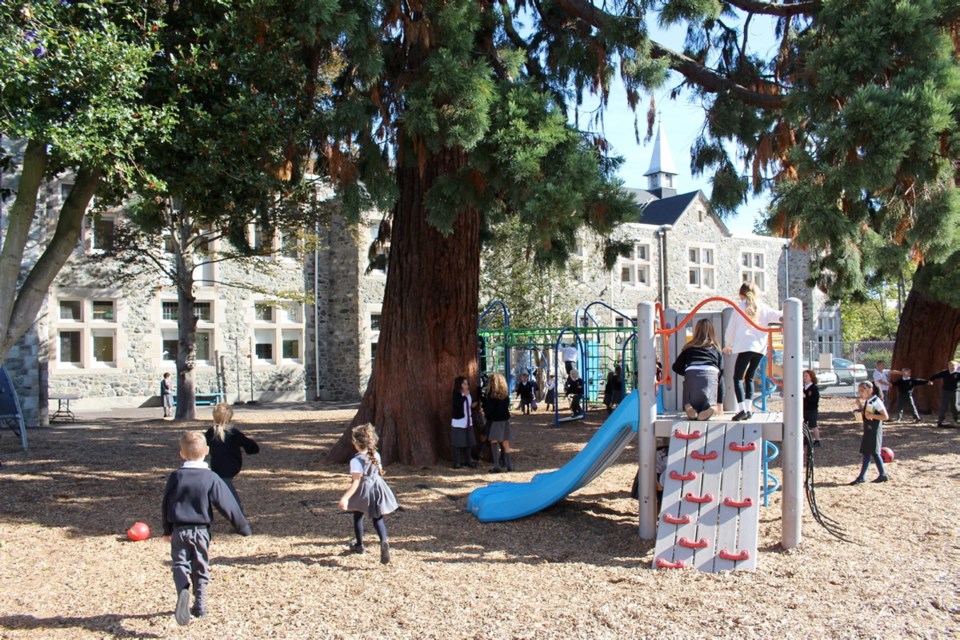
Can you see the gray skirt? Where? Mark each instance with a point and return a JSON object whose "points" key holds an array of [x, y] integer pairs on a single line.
{"points": [[499, 431], [700, 388], [461, 438]]}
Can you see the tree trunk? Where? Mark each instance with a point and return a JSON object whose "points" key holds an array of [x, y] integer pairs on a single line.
{"points": [[428, 334], [20, 302], [927, 339], [186, 321]]}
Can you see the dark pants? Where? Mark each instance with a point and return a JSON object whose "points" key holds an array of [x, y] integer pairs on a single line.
{"points": [[948, 398], [700, 388], [743, 372], [575, 404], [190, 553], [905, 402], [378, 524], [866, 464]]}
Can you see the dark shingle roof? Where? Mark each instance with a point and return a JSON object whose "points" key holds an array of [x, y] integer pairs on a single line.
{"points": [[666, 211]]}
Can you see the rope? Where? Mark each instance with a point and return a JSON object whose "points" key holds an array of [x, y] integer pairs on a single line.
{"points": [[832, 527]]}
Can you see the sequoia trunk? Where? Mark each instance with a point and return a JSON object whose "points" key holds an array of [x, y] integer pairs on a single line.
{"points": [[428, 333], [927, 339]]}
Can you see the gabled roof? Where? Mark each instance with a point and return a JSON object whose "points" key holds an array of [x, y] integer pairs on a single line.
{"points": [[666, 211]]}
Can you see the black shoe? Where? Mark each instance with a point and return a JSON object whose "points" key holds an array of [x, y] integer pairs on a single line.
{"points": [[357, 547], [198, 612], [496, 470], [182, 612], [384, 552], [857, 481], [747, 415], [740, 416], [816, 444], [880, 479], [457, 465], [917, 420], [940, 425], [472, 465]]}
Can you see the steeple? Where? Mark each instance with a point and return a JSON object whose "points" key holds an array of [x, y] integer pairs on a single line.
{"points": [[662, 170]]}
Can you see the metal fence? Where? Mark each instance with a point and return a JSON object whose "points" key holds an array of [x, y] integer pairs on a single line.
{"points": [[866, 353]]}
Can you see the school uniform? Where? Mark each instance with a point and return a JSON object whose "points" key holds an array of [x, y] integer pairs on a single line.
{"points": [[871, 441], [811, 405], [905, 388], [702, 371], [373, 497], [526, 390], [461, 424], [497, 413], [226, 456], [574, 389], [191, 493], [948, 393]]}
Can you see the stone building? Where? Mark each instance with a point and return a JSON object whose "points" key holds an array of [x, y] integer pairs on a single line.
{"points": [[109, 344]]}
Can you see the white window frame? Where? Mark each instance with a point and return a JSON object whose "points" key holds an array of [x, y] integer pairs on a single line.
{"points": [[702, 266], [757, 274], [169, 328], [88, 329], [92, 231], [285, 321], [635, 265]]}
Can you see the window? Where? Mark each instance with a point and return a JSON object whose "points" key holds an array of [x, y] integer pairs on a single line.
{"points": [[290, 345], [103, 343], [635, 266], [103, 232], [203, 311], [263, 344], [379, 250], [170, 310], [289, 246], [701, 272], [752, 268], [69, 348], [291, 312], [263, 312], [170, 345], [375, 321], [71, 310], [204, 340], [65, 190], [103, 310]]}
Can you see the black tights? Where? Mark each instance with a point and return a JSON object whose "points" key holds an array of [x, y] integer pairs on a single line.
{"points": [[378, 524], [743, 372]]}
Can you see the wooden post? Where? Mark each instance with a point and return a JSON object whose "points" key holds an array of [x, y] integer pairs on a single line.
{"points": [[792, 445]]}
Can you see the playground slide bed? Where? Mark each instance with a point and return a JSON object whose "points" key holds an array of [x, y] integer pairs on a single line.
{"points": [[576, 570]]}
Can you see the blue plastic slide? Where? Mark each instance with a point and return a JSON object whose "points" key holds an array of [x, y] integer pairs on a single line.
{"points": [[500, 501]]}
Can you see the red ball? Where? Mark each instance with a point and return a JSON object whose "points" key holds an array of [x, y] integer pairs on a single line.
{"points": [[139, 531], [886, 453]]}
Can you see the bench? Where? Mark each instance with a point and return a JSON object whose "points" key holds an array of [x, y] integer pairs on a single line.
{"points": [[204, 399]]}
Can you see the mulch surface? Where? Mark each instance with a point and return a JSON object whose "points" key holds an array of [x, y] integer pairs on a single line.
{"points": [[576, 570]]}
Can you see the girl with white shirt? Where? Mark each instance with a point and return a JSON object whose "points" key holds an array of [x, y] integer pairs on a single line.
{"points": [[749, 343], [462, 437]]}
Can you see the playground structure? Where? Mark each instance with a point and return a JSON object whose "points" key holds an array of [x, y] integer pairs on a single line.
{"points": [[709, 514], [11, 414]]}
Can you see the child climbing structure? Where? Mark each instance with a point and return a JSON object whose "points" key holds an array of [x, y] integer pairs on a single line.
{"points": [[709, 514]]}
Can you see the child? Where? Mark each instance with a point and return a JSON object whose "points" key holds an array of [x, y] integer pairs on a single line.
{"points": [[526, 389], [191, 492], [701, 364], [811, 404], [574, 390], [227, 446], [550, 397], [613, 389], [948, 392], [368, 493], [904, 384], [462, 437], [166, 395], [496, 408], [874, 413], [881, 380]]}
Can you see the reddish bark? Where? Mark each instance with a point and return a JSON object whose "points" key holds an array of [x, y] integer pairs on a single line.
{"points": [[927, 339], [428, 334]]}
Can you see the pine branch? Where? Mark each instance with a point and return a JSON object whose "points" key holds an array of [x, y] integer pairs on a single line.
{"points": [[776, 8]]}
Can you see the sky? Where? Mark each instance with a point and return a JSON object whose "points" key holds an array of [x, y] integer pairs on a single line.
{"points": [[682, 121]]}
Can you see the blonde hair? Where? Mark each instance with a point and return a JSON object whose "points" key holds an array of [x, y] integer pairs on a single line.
{"points": [[497, 387], [222, 415], [193, 446], [704, 335], [749, 291], [365, 438]]}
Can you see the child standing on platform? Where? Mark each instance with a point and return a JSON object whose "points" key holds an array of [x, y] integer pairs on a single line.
{"points": [[227, 445], [462, 437], [811, 404], [873, 413], [368, 493], [749, 343], [188, 500]]}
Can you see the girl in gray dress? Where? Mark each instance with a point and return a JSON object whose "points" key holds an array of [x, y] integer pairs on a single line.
{"points": [[368, 493]]}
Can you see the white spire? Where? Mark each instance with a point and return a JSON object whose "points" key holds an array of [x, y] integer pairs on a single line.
{"points": [[661, 161]]}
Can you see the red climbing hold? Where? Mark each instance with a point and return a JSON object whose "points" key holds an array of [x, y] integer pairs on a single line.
{"points": [[686, 436], [699, 544], [669, 519], [699, 499], [736, 557], [750, 446], [683, 477], [666, 564], [696, 455], [738, 504]]}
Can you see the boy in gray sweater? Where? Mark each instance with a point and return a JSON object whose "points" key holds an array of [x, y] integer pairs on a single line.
{"points": [[188, 500]]}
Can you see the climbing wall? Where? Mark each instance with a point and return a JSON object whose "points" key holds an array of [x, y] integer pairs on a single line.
{"points": [[711, 497]]}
